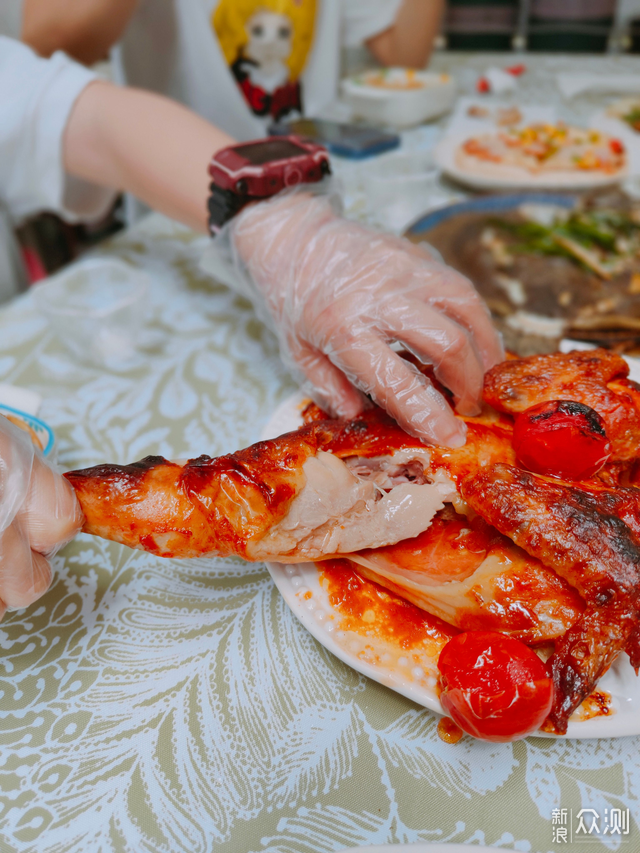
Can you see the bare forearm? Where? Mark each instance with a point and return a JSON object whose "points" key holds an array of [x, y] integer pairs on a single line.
{"points": [[145, 144], [85, 29], [410, 40]]}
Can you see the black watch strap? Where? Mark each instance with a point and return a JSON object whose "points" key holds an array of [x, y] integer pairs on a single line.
{"points": [[223, 206]]}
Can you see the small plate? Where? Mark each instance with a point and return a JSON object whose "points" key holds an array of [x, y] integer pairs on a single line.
{"points": [[41, 433], [417, 682]]}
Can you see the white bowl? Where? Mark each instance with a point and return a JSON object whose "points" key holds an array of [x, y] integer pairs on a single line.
{"points": [[399, 107]]}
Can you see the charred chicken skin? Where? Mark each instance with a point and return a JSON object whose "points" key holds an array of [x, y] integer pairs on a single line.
{"points": [[571, 531], [588, 532], [531, 556], [289, 499]]}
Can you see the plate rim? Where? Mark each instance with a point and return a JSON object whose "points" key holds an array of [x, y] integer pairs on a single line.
{"points": [[487, 204], [32, 420]]}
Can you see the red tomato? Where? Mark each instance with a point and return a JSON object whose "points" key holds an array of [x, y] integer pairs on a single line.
{"points": [[483, 86], [494, 687], [616, 146], [516, 70], [561, 439]]}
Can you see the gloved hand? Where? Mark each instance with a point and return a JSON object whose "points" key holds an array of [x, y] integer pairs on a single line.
{"points": [[38, 514], [338, 294]]}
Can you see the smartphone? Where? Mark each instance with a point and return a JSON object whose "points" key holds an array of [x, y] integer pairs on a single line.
{"points": [[346, 140]]}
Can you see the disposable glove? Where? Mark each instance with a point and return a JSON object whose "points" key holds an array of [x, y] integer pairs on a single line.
{"points": [[338, 295], [39, 513]]}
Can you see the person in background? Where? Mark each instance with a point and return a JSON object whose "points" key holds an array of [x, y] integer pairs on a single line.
{"points": [[241, 64], [337, 294]]}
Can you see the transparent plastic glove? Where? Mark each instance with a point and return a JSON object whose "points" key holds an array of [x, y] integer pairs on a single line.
{"points": [[39, 513], [338, 294]]}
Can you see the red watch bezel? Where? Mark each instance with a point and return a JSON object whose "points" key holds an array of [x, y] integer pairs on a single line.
{"points": [[232, 171]]}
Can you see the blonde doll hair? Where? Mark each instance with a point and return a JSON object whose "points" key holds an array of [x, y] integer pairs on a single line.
{"points": [[229, 22]]}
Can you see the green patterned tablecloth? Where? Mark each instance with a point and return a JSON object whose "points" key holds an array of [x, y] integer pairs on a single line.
{"points": [[157, 705]]}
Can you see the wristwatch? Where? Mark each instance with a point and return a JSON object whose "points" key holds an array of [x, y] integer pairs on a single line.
{"points": [[254, 171]]}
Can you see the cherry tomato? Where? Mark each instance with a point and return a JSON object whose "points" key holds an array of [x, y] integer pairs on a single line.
{"points": [[616, 146], [483, 85], [516, 70], [561, 438], [494, 687]]}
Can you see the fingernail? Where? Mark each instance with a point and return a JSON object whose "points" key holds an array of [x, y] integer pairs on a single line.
{"points": [[456, 441], [457, 438], [348, 410], [469, 409]]}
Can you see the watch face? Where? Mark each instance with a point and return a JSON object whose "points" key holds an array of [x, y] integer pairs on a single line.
{"points": [[271, 149]]}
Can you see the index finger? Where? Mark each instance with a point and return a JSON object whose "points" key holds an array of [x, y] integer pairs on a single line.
{"points": [[399, 388], [454, 295]]}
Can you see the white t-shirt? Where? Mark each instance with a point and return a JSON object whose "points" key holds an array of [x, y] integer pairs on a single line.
{"points": [[36, 98], [243, 63]]}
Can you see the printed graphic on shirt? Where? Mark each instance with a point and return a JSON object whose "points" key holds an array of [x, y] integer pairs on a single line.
{"points": [[266, 44]]}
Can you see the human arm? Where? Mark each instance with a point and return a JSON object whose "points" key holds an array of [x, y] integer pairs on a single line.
{"points": [[38, 514], [409, 41], [84, 29], [337, 293], [132, 140]]}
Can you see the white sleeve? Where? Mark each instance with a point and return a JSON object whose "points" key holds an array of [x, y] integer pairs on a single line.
{"points": [[363, 19], [36, 99]]}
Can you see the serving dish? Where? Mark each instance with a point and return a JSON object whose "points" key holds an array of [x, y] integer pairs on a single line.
{"points": [[540, 293], [40, 433], [399, 97], [499, 177], [414, 674]]}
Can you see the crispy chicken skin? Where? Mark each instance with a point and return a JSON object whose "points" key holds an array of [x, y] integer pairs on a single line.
{"points": [[597, 378], [301, 496], [288, 499], [574, 532]]}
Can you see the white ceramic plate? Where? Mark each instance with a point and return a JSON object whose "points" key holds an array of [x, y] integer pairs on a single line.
{"points": [[411, 677], [511, 177]]}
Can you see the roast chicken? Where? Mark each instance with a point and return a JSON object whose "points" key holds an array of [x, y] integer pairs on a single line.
{"points": [[465, 534]]}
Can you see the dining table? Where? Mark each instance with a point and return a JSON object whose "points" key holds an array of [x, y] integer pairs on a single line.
{"points": [[154, 705]]}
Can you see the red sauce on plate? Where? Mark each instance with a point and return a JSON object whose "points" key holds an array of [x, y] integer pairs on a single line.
{"points": [[448, 731], [598, 704], [368, 609]]}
